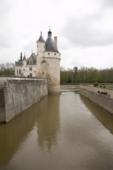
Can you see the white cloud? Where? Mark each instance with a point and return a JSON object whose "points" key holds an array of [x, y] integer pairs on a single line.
{"points": [[93, 30], [99, 57]]}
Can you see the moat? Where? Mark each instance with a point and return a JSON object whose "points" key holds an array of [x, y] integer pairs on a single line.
{"points": [[62, 132]]}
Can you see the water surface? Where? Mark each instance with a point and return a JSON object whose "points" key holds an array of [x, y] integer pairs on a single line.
{"points": [[64, 132]]}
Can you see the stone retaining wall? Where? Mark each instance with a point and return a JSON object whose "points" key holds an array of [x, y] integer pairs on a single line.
{"points": [[19, 94], [104, 101]]}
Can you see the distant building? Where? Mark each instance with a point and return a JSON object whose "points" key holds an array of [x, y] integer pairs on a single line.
{"points": [[44, 64], [26, 67]]}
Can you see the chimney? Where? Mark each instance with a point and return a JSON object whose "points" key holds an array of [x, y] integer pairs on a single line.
{"points": [[55, 40]]}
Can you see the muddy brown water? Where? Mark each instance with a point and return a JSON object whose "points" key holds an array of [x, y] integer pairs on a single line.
{"points": [[64, 132]]}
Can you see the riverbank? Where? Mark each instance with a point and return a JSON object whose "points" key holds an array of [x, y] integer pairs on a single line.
{"points": [[70, 88], [102, 97]]}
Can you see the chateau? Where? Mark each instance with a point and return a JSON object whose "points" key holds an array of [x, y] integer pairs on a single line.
{"points": [[44, 64]]}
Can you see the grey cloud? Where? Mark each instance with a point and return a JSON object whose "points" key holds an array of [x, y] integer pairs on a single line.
{"points": [[29, 47], [85, 33], [5, 41], [107, 3], [5, 36], [5, 6]]}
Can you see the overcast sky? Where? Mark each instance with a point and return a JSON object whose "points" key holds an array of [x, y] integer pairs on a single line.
{"points": [[84, 29]]}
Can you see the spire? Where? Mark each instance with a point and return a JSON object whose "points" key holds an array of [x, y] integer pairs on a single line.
{"points": [[24, 58], [49, 33], [41, 38], [41, 33], [21, 56]]}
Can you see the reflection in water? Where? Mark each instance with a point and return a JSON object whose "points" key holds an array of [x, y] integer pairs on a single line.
{"points": [[48, 122], [62, 132], [13, 133], [44, 114], [102, 115]]}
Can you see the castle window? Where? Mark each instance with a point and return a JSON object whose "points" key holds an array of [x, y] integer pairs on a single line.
{"points": [[54, 53], [19, 71], [48, 53], [30, 75], [30, 68], [43, 61]]}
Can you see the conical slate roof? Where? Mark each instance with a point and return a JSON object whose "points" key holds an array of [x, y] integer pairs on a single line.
{"points": [[50, 44], [32, 59], [41, 38]]}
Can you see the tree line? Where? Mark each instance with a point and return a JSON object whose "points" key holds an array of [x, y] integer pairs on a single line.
{"points": [[7, 72], [71, 76], [86, 75]]}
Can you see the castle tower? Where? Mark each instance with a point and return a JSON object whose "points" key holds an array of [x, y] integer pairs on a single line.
{"points": [[48, 62], [40, 54], [52, 57]]}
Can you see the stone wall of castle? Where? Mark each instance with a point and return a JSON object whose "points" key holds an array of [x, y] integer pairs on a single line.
{"points": [[19, 94], [53, 75]]}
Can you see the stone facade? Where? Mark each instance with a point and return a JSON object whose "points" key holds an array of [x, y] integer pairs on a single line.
{"points": [[44, 64], [26, 67]]}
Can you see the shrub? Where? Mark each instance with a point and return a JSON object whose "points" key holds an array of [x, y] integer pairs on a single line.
{"points": [[95, 84]]}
